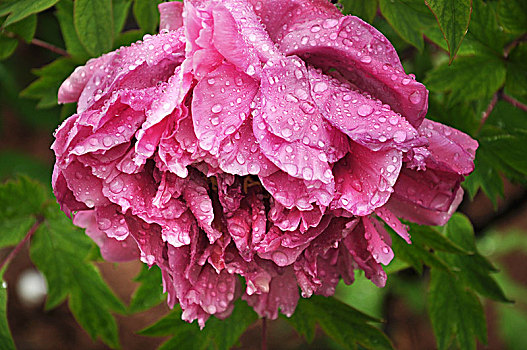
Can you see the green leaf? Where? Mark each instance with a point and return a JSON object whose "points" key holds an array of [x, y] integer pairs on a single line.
{"points": [[21, 9], [416, 254], [516, 84], [484, 27], [24, 29], [221, 334], [360, 8], [94, 25], [485, 176], [474, 270], [455, 312], [408, 18], [22, 201], [513, 15], [147, 14], [453, 17], [7, 46], [510, 150], [120, 14], [468, 78], [430, 237], [150, 292], [6, 340], [46, 87], [68, 272], [345, 325], [64, 15]]}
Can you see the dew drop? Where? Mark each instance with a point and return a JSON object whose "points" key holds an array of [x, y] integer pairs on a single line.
{"points": [[364, 110], [217, 108], [415, 97]]}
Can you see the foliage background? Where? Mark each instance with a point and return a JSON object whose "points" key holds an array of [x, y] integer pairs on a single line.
{"points": [[472, 56]]}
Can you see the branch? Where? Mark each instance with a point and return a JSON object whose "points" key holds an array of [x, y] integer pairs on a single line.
{"points": [[490, 108], [264, 334], [40, 43], [510, 46], [50, 47], [514, 102], [21, 244]]}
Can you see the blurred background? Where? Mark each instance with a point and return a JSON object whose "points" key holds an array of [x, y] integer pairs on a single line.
{"points": [[25, 138]]}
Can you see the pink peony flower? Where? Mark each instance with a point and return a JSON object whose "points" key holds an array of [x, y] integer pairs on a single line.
{"points": [[266, 139]]}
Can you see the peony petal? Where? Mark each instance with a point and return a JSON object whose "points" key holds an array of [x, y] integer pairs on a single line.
{"points": [[294, 158], [111, 249], [171, 15], [134, 67], [280, 16], [220, 105], [388, 217], [365, 179], [450, 150], [363, 118], [283, 295], [364, 57], [292, 192], [290, 111]]}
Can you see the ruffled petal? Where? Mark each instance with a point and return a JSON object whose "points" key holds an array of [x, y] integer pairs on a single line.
{"points": [[171, 15], [220, 105], [365, 179], [364, 57]]}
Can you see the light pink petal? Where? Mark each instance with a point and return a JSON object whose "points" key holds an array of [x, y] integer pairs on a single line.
{"points": [[220, 105], [362, 117], [365, 179], [240, 154], [86, 188], [171, 15], [166, 107], [290, 112], [111, 249], [364, 57], [450, 150], [135, 67], [294, 158], [72, 87], [112, 222]]}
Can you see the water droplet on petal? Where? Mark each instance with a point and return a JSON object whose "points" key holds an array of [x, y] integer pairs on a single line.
{"points": [[217, 108], [364, 110], [415, 97], [315, 28], [320, 87]]}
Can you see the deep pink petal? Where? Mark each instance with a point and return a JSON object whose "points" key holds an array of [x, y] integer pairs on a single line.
{"points": [[365, 179], [450, 150]]}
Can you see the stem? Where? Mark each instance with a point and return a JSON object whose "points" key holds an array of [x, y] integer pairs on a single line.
{"points": [[264, 334], [21, 244], [40, 43], [514, 102], [489, 109], [507, 50], [50, 47]]}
